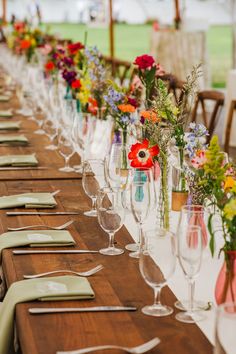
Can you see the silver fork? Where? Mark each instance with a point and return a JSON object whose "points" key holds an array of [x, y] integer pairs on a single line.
{"points": [[81, 274], [60, 227], [143, 348]]}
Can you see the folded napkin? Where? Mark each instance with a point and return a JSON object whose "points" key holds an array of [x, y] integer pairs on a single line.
{"points": [[18, 160], [9, 125], [7, 114], [4, 98], [35, 238], [65, 287], [13, 139], [28, 200]]}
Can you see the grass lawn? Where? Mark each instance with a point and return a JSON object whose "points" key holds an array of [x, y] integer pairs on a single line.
{"points": [[133, 40]]}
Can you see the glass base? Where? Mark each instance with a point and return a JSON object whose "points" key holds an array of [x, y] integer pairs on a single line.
{"points": [[66, 169], [132, 247], [51, 147], [197, 305], [78, 168], [92, 213], [135, 254], [189, 317], [111, 251], [25, 112], [157, 310], [39, 132]]}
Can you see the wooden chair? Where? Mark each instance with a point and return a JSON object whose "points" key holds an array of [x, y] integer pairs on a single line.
{"points": [[120, 69], [229, 125], [209, 120], [174, 85]]}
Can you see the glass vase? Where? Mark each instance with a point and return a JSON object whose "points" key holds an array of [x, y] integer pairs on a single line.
{"points": [[163, 193], [225, 290]]}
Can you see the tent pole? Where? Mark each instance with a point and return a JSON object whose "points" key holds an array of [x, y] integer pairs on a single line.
{"points": [[4, 11], [111, 29]]}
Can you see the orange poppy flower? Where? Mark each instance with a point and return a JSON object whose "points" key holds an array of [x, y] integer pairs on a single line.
{"points": [[141, 155], [25, 43], [150, 115], [126, 108]]}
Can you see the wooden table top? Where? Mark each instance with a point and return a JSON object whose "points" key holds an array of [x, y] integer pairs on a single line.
{"points": [[120, 283]]}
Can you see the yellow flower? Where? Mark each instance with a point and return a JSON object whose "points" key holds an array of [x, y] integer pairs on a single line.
{"points": [[229, 183], [230, 209], [33, 42]]}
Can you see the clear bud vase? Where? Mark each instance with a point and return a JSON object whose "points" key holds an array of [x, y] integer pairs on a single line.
{"points": [[163, 193], [179, 182]]}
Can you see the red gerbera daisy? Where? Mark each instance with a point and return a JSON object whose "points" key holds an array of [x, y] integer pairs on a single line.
{"points": [[141, 155], [76, 84]]}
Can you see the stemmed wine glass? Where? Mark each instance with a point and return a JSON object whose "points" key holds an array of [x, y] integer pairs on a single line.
{"points": [[117, 165], [139, 193], [190, 258], [157, 264], [93, 179], [194, 215], [111, 216], [65, 149]]}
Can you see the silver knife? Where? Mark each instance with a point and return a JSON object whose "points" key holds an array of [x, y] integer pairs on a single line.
{"points": [[22, 168], [14, 213], [41, 310], [52, 251]]}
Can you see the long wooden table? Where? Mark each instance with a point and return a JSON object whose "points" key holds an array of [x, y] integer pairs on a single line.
{"points": [[120, 283]]}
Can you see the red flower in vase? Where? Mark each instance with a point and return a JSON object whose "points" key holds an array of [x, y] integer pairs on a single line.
{"points": [[49, 66], [144, 61], [76, 84], [75, 47], [141, 155], [25, 43]]}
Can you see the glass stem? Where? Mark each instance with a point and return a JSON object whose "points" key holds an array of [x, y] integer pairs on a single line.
{"points": [[67, 159], [111, 240], [191, 286], [157, 296], [140, 234], [94, 203]]}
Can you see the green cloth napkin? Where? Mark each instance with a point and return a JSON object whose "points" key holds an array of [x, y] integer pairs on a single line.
{"points": [[28, 200], [65, 287], [13, 139], [7, 114], [35, 238], [9, 125], [4, 98], [18, 160]]}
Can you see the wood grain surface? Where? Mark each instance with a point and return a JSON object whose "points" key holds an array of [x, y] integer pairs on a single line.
{"points": [[120, 283]]}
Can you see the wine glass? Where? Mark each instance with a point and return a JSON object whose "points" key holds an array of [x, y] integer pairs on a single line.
{"points": [[117, 165], [93, 180], [190, 258], [225, 329], [193, 215], [111, 216], [65, 149], [157, 264], [139, 194]]}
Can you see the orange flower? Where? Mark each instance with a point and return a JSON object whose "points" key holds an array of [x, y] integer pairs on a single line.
{"points": [[93, 102], [126, 108], [150, 115], [25, 43], [229, 183]]}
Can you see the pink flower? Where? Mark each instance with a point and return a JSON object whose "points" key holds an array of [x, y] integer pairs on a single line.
{"points": [[46, 49], [199, 160]]}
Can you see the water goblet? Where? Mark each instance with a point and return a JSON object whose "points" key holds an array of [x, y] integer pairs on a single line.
{"points": [[111, 216], [93, 180], [157, 264]]}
